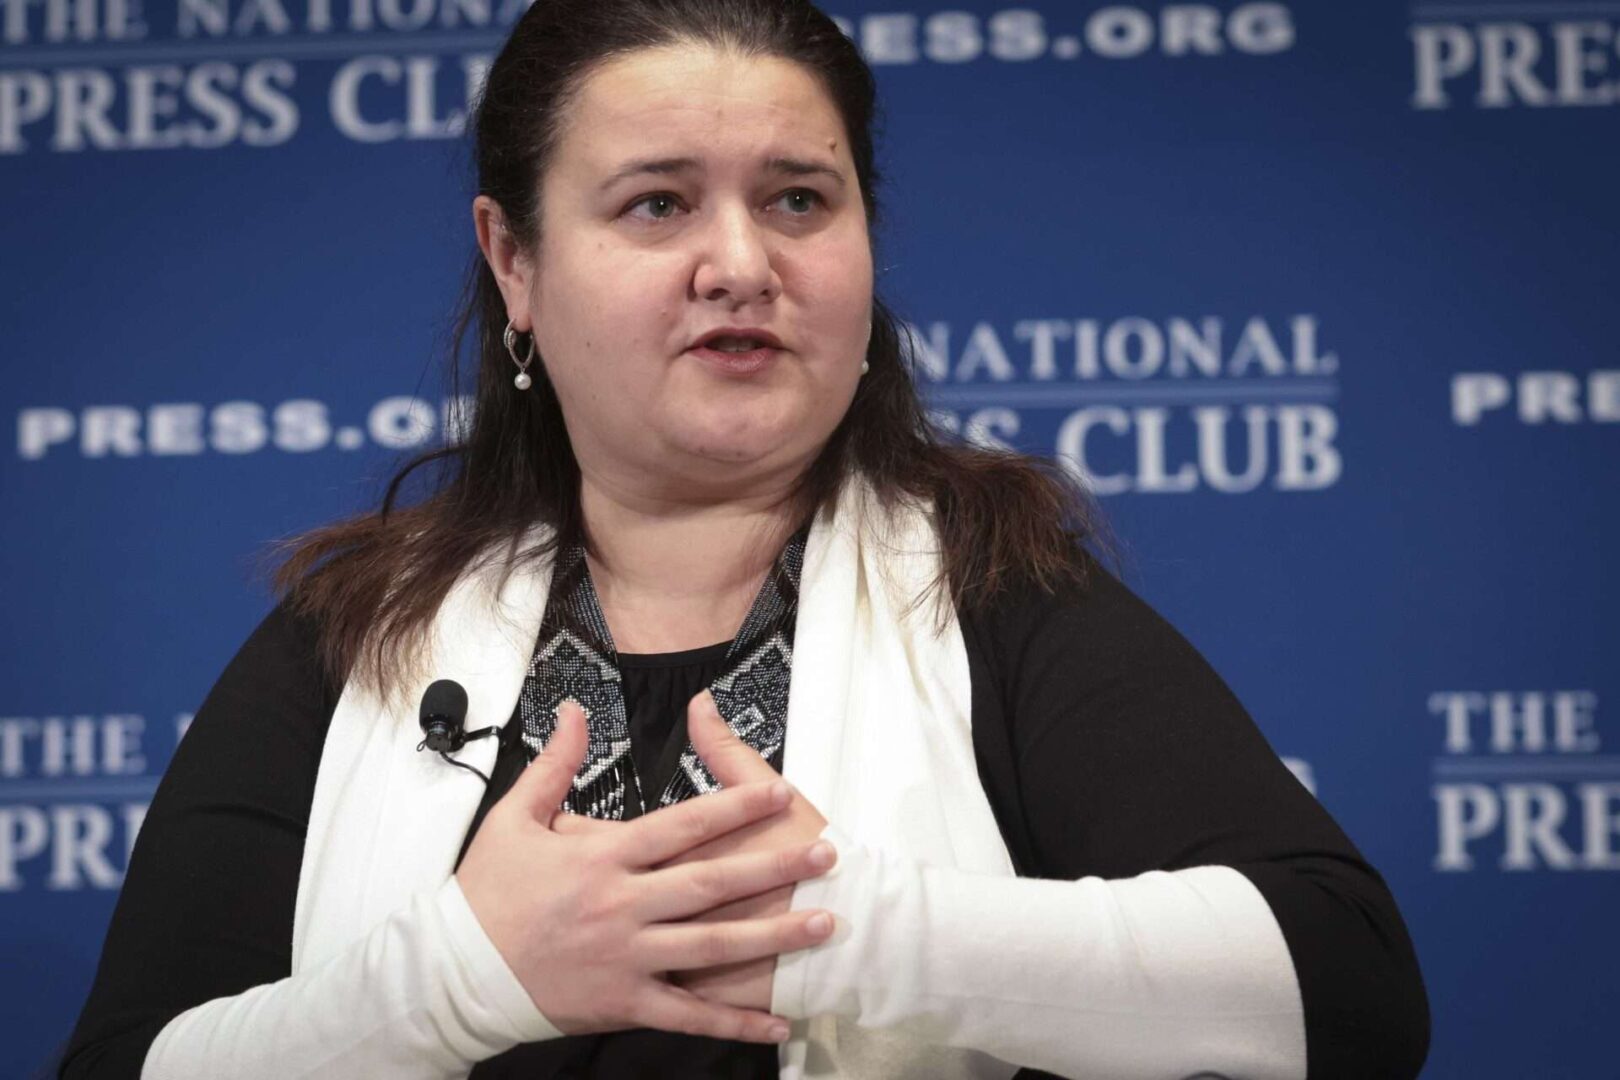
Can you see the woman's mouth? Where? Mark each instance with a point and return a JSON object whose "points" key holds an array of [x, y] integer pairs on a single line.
{"points": [[738, 354]]}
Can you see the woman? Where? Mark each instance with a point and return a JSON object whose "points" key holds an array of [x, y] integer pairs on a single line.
{"points": [[694, 417]]}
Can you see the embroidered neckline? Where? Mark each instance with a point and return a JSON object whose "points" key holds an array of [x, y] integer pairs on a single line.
{"points": [[574, 657]]}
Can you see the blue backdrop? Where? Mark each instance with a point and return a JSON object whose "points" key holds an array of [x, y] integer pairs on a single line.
{"points": [[1322, 297]]}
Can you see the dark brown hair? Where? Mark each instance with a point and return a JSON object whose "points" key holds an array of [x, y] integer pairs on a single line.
{"points": [[374, 583]]}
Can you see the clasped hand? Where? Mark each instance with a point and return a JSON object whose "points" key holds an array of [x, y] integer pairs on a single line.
{"points": [[673, 920]]}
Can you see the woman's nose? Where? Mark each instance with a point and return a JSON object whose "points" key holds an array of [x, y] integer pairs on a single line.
{"points": [[735, 260]]}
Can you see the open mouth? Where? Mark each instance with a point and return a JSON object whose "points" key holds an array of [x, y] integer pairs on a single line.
{"points": [[738, 352], [730, 344]]}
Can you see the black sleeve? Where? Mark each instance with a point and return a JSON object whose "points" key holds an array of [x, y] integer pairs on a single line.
{"points": [[206, 909], [1110, 748]]}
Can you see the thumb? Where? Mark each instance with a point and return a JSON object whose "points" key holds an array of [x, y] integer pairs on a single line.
{"points": [[541, 787], [731, 760]]}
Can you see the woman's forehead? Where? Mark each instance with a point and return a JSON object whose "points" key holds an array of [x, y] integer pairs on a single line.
{"points": [[698, 102]]}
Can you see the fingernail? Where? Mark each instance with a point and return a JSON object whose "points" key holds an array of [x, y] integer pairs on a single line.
{"points": [[780, 793], [820, 923], [821, 856], [778, 1033]]}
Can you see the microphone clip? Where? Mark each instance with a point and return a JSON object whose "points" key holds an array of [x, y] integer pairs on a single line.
{"points": [[444, 735]]}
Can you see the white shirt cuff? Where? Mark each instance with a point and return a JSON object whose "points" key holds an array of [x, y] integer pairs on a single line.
{"points": [[424, 996], [1166, 973]]}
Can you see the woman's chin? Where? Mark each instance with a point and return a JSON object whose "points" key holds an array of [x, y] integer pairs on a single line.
{"points": [[740, 431], [729, 450]]}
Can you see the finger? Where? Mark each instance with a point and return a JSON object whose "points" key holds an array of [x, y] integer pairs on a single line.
{"points": [[580, 825], [669, 1008], [695, 887], [731, 760], [663, 834], [682, 946], [541, 787]]}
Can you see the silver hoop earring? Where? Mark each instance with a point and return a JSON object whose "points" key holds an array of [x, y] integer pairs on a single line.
{"points": [[522, 382]]}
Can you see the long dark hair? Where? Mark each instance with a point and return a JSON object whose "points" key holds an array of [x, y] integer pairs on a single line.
{"points": [[374, 582]]}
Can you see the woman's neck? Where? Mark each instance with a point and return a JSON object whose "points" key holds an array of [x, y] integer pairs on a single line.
{"points": [[676, 573]]}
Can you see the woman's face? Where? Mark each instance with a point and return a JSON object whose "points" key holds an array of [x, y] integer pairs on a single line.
{"points": [[695, 191]]}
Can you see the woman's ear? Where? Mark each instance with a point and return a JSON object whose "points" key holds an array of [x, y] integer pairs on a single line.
{"points": [[512, 266]]}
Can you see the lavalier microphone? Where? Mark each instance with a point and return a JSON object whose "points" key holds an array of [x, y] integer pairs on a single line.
{"points": [[443, 716]]}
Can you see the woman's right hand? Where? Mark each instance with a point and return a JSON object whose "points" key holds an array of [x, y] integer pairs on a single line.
{"points": [[588, 925]]}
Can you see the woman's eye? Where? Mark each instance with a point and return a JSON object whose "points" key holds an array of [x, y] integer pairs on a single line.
{"points": [[660, 207], [800, 201]]}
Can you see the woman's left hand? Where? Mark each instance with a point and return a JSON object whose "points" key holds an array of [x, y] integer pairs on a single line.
{"points": [[733, 762]]}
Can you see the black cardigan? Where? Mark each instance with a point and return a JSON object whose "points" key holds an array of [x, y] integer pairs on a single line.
{"points": [[1106, 744]]}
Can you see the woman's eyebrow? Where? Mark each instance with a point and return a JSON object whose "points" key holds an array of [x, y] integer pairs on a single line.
{"points": [[665, 166], [653, 166], [800, 167]]}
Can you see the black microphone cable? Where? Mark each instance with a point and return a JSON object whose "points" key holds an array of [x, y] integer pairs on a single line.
{"points": [[443, 716]]}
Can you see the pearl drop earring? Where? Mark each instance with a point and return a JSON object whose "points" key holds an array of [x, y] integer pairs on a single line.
{"points": [[522, 382]]}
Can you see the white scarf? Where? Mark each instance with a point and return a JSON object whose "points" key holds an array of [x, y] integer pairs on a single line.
{"points": [[944, 967], [879, 740]]}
